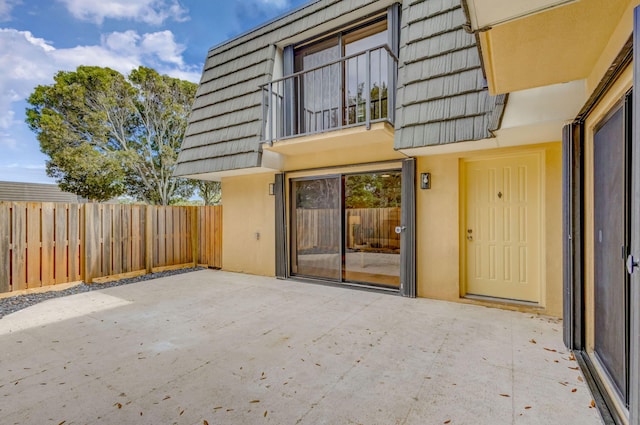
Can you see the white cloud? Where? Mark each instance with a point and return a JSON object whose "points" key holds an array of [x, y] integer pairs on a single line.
{"points": [[30, 61], [153, 12], [164, 47], [5, 9]]}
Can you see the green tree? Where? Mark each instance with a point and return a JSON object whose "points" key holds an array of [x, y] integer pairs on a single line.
{"points": [[209, 191], [107, 135]]}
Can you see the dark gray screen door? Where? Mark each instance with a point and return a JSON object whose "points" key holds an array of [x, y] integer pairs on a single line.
{"points": [[634, 337], [610, 242]]}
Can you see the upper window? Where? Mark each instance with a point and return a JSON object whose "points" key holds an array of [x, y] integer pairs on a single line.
{"points": [[334, 81], [341, 73], [345, 43]]}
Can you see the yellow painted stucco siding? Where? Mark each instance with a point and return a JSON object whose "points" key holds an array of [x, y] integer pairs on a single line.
{"points": [[553, 229], [249, 225], [437, 229]]}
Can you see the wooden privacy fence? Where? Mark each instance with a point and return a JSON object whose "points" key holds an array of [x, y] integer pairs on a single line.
{"points": [[45, 244], [367, 229]]}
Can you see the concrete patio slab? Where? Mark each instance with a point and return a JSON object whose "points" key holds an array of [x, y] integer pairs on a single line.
{"points": [[223, 348]]}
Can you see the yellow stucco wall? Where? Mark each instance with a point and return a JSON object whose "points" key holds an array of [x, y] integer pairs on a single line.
{"points": [[439, 264], [248, 210], [437, 229]]}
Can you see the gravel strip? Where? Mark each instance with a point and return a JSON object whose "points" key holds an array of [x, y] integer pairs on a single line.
{"points": [[13, 304]]}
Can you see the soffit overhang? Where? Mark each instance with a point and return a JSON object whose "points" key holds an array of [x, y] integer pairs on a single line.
{"points": [[542, 42]]}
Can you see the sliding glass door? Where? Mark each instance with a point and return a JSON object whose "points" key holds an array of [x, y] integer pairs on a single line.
{"points": [[346, 228]]}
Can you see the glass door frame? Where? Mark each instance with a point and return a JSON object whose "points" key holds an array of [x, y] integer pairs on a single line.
{"points": [[293, 226], [342, 231]]}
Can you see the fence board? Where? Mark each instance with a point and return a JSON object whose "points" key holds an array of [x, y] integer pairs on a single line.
{"points": [[138, 233], [92, 242], [203, 242], [107, 251], [33, 245], [128, 262], [75, 244], [161, 236], [185, 236], [119, 236], [19, 241], [216, 223], [168, 231], [46, 243], [5, 247], [47, 246], [61, 237]]}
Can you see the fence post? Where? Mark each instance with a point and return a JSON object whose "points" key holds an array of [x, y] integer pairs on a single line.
{"points": [[148, 238]]}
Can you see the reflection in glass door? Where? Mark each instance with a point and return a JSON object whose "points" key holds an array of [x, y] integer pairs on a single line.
{"points": [[372, 211], [344, 228], [316, 227]]}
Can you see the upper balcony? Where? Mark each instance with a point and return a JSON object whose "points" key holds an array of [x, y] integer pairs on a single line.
{"points": [[355, 90]]}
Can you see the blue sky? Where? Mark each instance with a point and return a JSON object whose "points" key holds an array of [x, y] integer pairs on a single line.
{"points": [[40, 37]]}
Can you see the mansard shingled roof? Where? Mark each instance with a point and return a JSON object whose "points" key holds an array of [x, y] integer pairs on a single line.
{"points": [[226, 120], [442, 95]]}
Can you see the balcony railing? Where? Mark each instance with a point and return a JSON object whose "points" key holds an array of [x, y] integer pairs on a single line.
{"points": [[355, 90]]}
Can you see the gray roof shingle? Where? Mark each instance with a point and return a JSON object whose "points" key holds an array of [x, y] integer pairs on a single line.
{"points": [[442, 96]]}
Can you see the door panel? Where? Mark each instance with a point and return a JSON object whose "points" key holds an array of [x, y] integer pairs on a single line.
{"points": [[372, 213], [610, 298], [316, 228], [502, 234]]}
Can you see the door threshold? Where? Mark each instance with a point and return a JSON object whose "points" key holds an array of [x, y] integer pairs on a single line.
{"points": [[348, 285], [502, 300]]}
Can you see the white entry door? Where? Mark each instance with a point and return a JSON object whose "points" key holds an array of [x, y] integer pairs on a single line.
{"points": [[503, 227]]}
